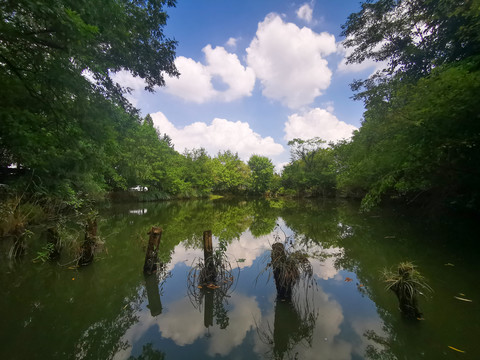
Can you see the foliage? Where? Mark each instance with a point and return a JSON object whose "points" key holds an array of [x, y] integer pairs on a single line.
{"points": [[420, 135], [424, 142], [44, 253], [407, 280], [312, 169], [413, 36], [62, 118], [230, 173], [261, 175]]}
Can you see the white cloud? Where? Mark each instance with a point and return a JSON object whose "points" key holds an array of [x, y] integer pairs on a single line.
{"points": [[243, 249], [184, 324], [231, 42], [240, 80], [220, 135], [305, 12], [195, 82], [290, 61], [317, 122]]}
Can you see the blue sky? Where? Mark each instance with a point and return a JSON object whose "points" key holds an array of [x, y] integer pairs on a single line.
{"points": [[255, 74]]}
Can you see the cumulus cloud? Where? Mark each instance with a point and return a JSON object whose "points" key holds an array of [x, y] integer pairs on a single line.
{"points": [[243, 249], [290, 61], [196, 80], [317, 123], [194, 84], [305, 13], [219, 135], [184, 324]]}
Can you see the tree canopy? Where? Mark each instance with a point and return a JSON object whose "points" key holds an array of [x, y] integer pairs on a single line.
{"points": [[62, 118]]}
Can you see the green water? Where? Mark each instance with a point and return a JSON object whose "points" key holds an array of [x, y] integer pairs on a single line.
{"points": [[108, 310]]}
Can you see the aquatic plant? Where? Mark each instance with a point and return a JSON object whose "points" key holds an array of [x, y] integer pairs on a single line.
{"points": [[406, 283], [288, 265], [209, 282], [213, 272]]}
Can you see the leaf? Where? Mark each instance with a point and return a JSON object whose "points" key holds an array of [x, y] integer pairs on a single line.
{"points": [[462, 299], [461, 351]]}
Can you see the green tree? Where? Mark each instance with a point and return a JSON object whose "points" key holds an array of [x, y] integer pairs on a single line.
{"points": [[59, 117], [312, 169], [261, 175], [200, 171], [420, 133], [230, 173]]}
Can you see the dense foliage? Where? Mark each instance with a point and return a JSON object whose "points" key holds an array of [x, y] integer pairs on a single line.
{"points": [[420, 134], [63, 121]]}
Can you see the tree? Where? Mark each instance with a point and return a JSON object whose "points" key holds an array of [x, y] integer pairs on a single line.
{"points": [[413, 36], [420, 131], [59, 116], [261, 175], [199, 170], [230, 172], [312, 168]]}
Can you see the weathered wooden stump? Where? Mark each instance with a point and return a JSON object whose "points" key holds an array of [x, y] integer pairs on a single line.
{"points": [[284, 281], [151, 257], [88, 247], [210, 270], [408, 302], [153, 294]]}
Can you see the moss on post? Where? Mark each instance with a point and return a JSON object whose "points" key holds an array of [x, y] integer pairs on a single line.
{"points": [[208, 258], [151, 257]]}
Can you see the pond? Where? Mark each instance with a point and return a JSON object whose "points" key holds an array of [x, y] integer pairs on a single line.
{"points": [[110, 310]]}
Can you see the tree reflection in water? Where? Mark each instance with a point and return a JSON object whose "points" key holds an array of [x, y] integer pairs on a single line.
{"points": [[293, 324], [212, 289], [154, 286], [149, 353]]}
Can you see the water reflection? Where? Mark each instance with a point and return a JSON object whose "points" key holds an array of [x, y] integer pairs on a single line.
{"points": [[111, 311], [153, 294]]}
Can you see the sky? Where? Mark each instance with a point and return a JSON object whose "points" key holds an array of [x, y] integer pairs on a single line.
{"points": [[254, 75]]}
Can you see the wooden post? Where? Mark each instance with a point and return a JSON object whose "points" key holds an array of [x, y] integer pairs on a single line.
{"points": [[211, 273], [88, 247], [283, 282], [151, 257], [153, 294], [408, 303]]}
